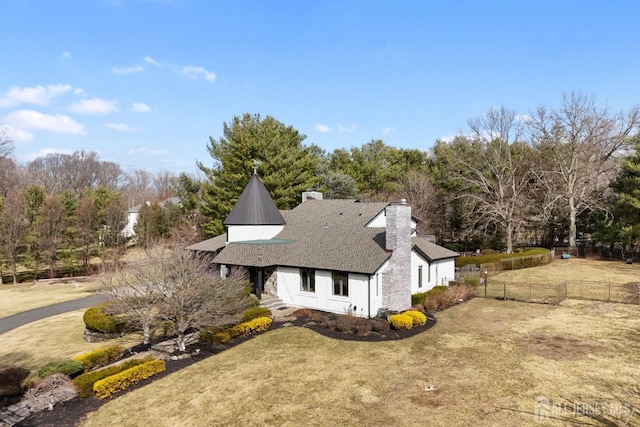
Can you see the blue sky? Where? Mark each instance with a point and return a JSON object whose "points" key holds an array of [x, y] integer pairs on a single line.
{"points": [[145, 83]]}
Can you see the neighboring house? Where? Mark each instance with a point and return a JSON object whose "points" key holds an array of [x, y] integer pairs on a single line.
{"points": [[341, 256], [132, 215]]}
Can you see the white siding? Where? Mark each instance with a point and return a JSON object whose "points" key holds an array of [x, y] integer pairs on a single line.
{"points": [[435, 274], [241, 233], [323, 299], [380, 220], [132, 218]]}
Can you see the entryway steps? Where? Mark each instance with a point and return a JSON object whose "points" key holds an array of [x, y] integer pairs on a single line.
{"points": [[272, 303]]}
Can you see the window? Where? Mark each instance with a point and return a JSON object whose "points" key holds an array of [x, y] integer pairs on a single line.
{"points": [[340, 283], [307, 280], [419, 276]]}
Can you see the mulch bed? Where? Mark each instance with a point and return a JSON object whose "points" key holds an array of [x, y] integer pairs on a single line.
{"points": [[71, 413]]}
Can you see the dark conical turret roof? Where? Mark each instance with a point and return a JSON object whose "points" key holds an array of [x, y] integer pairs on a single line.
{"points": [[254, 206]]}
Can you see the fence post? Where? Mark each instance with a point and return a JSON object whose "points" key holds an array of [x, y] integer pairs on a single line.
{"points": [[609, 297], [529, 292], [504, 287], [485, 287]]}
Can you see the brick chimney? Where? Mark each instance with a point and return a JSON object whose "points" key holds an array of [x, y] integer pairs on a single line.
{"points": [[396, 288]]}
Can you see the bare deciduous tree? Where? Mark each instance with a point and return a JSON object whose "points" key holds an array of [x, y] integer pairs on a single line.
{"points": [[13, 229], [50, 228], [580, 142], [493, 166], [180, 287]]}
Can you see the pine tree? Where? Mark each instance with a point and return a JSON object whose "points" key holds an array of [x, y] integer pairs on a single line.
{"points": [[284, 164]]}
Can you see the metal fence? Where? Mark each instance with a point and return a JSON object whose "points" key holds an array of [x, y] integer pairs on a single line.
{"points": [[554, 294], [485, 270]]}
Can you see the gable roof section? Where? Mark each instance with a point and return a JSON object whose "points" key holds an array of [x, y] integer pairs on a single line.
{"points": [[254, 206], [431, 251], [210, 245], [319, 234]]}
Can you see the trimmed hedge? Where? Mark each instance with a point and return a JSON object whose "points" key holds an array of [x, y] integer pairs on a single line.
{"points": [[106, 387], [255, 312], [98, 320], [258, 324], [84, 383], [68, 367], [100, 357], [418, 299], [418, 317], [483, 259], [401, 321]]}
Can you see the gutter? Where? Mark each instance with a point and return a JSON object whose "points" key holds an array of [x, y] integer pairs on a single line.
{"points": [[369, 298]]}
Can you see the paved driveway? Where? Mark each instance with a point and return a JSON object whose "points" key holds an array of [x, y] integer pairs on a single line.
{"points": [[17, 320]]}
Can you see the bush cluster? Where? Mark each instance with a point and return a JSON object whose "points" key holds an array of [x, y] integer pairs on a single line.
{"points": [[11, 379], [401, 321], [417, 317], [255, 312], [418, 299], [451, 296], [99, 357], [68, 367], [108, 386], [98, 319], [84, 382], [258, 324]]}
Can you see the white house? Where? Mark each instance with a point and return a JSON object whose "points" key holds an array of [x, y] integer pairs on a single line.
{"points": [[341, 256]]}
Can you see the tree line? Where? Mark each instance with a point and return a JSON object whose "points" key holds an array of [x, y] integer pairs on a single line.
{"points": [[556, 176]]}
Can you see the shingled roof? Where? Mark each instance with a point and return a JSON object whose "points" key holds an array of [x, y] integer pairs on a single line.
{"points": [[254, 206], [431, 251], [320, 234]]}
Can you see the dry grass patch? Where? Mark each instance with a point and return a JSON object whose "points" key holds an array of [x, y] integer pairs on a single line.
{"points": [[59, 337], [26, 296], [485, 368], [575, 269]]}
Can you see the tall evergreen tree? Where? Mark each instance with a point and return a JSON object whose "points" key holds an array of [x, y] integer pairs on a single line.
{"points": [[284, 164]]}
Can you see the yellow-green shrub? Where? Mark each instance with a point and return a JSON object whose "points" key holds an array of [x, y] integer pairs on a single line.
{"points": [[255, 312], [98, 319], [418, 318], [100, 357], [84, 383], [245, 328], [401, 321], [108, 386]]}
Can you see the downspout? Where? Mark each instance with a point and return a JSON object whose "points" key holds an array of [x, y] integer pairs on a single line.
{"points": [[369, 298]]}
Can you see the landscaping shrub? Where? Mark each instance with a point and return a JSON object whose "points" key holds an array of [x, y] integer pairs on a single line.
{"points": [[451, 296], [320, 318], [380, 325], [258, 324], [401, 321], [11, 380], [418, 299], [108, 386], [302, 312], [68, 367], [254, 313], [362, 326], [100, 357], [84, 383], [98, 319], [345, 323], [418, 317]]}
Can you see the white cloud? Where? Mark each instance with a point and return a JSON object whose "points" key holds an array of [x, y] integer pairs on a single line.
{"points": [[193, 72], [30, 119], [140, 107], [18, 135], [94, 106], [150, 60], [43, 152], [80, 92], [347, 129], [524, 118], [322, 128], [65, 55], [387, 130], [121, 127], [146, 152], [447, 138], [128, 70], [38, 95]]}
